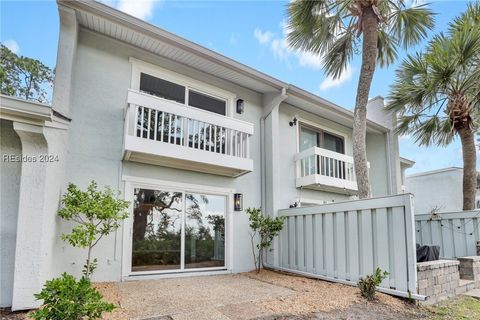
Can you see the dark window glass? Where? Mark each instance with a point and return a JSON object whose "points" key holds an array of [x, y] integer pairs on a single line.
{"points": [[202, 101], [332, 143], [162, 88]]}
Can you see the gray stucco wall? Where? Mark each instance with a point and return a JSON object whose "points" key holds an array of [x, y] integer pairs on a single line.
{"points": [[101, 77], [440, 190], [9, 188]]}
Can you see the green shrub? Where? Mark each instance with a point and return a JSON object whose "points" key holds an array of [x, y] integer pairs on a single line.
{"points": [[267, 228], [368, 284], [67, 298]]}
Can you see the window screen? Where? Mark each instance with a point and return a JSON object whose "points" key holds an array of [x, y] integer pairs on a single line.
{"points": [[332, 143], [162, 88], [202, 101]]}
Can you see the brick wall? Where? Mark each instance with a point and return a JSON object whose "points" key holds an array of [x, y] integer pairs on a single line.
{"points": [[442, 279]]}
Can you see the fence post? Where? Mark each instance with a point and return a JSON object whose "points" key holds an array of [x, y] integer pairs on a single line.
{"points": [[411, 244]]}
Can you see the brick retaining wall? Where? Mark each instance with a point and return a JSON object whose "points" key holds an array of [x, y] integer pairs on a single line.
{"points": [[442, 279]]}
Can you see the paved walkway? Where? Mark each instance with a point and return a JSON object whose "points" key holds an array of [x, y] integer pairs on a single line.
{"points": [[209, 297]]}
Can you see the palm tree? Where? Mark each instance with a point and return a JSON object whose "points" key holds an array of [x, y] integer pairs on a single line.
{"points": [[337, 30], [437, 93]]}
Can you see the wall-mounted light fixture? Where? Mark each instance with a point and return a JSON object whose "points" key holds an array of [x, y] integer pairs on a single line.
{"points": [[240, 106], [238, 202], [293, 122]]}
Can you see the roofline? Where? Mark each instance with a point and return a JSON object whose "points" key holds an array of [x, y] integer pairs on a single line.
{"points": [[431, 172], [113, 14], [306, 95], [13, 107], [142, 26], [407, 161]]}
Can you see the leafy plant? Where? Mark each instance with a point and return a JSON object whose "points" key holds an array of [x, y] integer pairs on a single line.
{"points": [[24, 77], [267, 228], [97, 214], [437, 93], [336, 31], [67, 298], [368, 285]]}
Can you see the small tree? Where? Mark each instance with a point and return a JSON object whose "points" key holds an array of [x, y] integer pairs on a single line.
{"points": [[266, 228], [97, 214]]}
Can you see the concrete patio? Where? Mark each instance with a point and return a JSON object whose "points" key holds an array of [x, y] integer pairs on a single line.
{"points": [[267, 295]]}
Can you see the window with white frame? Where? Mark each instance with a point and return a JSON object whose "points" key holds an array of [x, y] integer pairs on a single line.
{"points": [[169, 85], [314, 137]]}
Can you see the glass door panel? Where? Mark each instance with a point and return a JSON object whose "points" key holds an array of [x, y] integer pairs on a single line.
{"points": [[204, 231], [157, 229]]}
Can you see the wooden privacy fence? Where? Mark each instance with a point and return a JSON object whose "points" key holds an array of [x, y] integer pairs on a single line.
{"points": [[455, 232], [344, 241]]}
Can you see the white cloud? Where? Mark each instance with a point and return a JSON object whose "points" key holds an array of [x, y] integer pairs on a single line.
{"points": [[262, 37], [12, 45], [330, 82], [308, 59], [142, 9]]}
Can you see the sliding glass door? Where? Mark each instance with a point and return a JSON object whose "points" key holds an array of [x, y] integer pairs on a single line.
{"points": [[175, 231]]}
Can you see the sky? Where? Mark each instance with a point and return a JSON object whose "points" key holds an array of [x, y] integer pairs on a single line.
{"points": [[251, 32]]}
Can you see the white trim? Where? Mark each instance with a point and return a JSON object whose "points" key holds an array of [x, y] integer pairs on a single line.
{"points": [[320, 127], [175, 275], [132, 182], [139, 66]]}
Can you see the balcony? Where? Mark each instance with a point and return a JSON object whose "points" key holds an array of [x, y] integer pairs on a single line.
{"points": [[322, 169], [167, 133]]}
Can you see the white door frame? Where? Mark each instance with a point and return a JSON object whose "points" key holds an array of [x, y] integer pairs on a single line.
{"points": [[138, 182]]}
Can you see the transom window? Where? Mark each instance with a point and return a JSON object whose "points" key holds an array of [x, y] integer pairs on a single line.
{"points": [[313, 137], [181, 94]]}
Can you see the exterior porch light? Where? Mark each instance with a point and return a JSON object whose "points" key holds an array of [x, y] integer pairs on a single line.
{"points": [[293, 122], [238, 202], [240, 106]]}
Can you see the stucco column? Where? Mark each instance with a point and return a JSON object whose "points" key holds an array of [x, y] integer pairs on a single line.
{"points": [[28, 278], [271, 153]]}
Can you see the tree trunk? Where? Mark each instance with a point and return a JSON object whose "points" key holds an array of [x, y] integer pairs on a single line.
{"points": [[369, 56], [469, 152]]}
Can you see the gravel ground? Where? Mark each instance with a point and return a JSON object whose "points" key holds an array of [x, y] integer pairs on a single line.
{"points": [[267, 296]]}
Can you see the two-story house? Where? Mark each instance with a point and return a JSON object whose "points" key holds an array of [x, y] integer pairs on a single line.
{"points": [[190, 137]]}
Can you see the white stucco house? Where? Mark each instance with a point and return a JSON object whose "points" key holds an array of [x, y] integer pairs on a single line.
{"points": [[439, 190], [182, 132]]}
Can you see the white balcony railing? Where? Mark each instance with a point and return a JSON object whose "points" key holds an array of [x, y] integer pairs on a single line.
{"points": [[168, 133], [318, 168]]}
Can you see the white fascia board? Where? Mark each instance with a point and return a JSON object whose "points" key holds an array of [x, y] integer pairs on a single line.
{"points": [[21, 110]]}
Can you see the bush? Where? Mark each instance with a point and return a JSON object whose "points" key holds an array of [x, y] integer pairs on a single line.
{"points": [[65, 298], [267, 228], [368, 284]]}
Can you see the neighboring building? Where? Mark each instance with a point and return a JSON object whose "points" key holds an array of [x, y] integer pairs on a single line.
{"points": [[439, 190], [178, 129]]}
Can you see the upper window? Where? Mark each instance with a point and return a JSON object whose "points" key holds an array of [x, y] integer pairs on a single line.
{"points": [[162, 88], [202, 101], [312, 137], [172, 91]]}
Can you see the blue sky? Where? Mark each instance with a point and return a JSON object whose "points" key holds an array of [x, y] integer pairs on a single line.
{"points": [[250, 32]]}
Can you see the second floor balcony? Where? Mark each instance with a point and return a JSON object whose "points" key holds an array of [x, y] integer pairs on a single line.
{"points": [[323, 169], [167, 133]]}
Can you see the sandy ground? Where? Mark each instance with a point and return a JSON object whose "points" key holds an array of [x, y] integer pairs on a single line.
{"points": [[268, 295]]}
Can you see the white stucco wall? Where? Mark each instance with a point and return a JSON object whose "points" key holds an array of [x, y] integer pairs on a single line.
{"points": [[440, 189], [9, 188]]}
